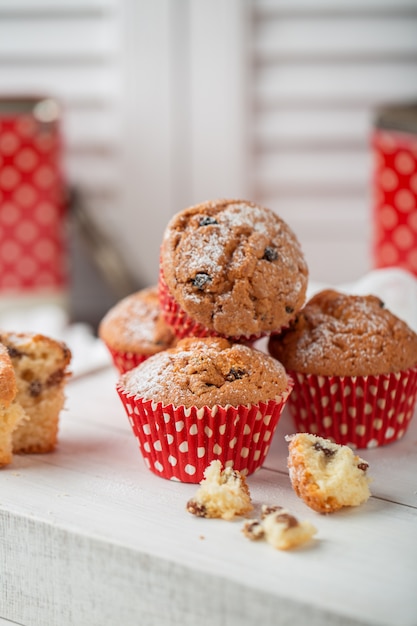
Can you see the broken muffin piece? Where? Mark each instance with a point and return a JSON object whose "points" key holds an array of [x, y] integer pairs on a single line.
{"points": [[11, 413], [279, 528], [40, 366], [222, 494], [326, 475]]}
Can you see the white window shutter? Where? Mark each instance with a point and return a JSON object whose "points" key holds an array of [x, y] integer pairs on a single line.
{"points": [[167, 104], [320, 70]]}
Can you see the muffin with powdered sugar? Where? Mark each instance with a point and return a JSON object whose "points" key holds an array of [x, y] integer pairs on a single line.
{"points": [[230, 268], [134, 329], [354, 365], [204, 400]]}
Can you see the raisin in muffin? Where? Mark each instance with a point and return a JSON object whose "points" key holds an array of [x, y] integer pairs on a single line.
{"points": [[354, 365], [41, 369], [327, 476], [222, 494], [11, 413], [134, 329], [206, 399], [280, 528], [230, 268]]}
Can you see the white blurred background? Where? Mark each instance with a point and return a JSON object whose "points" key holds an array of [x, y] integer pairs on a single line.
{"points": [[170, 103]]}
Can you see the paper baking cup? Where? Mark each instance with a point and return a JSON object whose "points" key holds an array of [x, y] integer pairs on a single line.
{"points": [[184, 326], [360, 411], [178, 443], [125, 361]]}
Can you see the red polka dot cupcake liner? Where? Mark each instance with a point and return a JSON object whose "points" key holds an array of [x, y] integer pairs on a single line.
{"points": [[125, 361], [360, 411], [183, 325], [178, 443]]}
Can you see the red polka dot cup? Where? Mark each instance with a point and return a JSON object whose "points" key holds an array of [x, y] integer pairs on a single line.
{"points": [[359, 411], [178, 443], [33, 254], [395, 198], [125, 361]]}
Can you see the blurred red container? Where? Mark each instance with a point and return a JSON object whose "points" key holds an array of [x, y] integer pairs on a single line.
{"points": [[33, 255], [394, 144]]}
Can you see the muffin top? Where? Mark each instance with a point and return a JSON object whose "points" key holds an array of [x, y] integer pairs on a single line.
{"points": [[345, 335], [205, 372], [49, 356], [135, 324], [234, 267]]}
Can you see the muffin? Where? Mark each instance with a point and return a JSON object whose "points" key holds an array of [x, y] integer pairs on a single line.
{"points": [[11, 413], [222, 494], [206, 399], [327, 476], [40, 367], [134, 329], [280, 528], [230, 268], [354, 365]]}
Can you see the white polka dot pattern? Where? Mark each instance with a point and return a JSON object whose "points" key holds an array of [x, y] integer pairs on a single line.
{"points": [[395, 200], [361, 411], [32, 210], [179, 443], [125, 361]]}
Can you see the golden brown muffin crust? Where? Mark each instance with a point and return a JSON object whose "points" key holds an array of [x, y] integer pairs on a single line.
{"points": [[234, 267], [346, 335], [209, 371], [41, 365], [8, 387], [326, 475], [135, 324]]}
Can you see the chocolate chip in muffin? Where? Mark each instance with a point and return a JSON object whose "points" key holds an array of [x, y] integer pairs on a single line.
{"points": [[282, 516], [14, 353], [35, 388], [207, 221], [253, 530], [235, 374], [326, 451], [268, 509], [200, 280], [280, 528], [195, 508], [286, 518], [270, 254]]}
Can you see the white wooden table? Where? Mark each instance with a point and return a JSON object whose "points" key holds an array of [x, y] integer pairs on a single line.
{"points": [[89, 536]]}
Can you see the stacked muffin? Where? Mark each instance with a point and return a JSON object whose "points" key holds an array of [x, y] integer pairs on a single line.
{"points": [[33, 376], [230, 272], [230, 268]]}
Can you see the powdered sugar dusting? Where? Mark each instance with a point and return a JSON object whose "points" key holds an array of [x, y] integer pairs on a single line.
{"points": [[347, 335], [234, 267], [201, 372], [136, 323]]}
